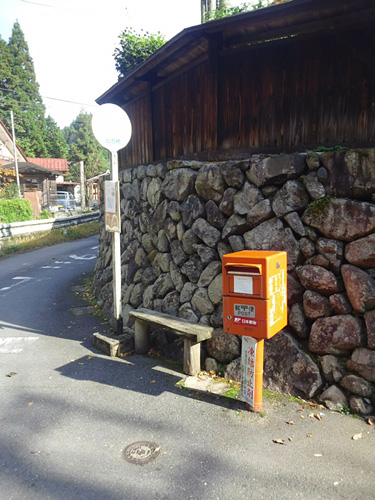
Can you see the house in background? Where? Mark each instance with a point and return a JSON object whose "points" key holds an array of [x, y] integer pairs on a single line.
{"points": [[61, 168], [40, 178], [7, 148], [93, 190]]}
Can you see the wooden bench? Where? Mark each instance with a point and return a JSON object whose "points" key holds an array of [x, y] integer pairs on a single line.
{"points": [[192, 333]]}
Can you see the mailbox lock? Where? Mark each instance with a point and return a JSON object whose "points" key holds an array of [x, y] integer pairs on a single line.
{"points": [[229, 317]]}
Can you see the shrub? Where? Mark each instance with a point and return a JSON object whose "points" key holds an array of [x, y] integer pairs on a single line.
{"points": [[45, 214], [15, 211]]}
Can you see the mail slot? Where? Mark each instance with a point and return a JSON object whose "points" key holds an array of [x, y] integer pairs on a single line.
{"points": [[254, 293]]}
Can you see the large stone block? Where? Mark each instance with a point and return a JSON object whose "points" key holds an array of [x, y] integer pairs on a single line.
{"points": [[361, 253], [351, 173], [223, 346], [210, 183], [341, 219], [276, 169], [318, 279], [336, 335], [272, 235], [363, 363], [360, 287], [288, 369], [178, 184]]}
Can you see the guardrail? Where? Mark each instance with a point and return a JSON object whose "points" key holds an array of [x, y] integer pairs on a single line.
{"points": [[19, 228]]}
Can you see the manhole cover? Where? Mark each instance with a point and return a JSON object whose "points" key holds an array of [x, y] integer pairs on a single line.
{"points": [[141, 452]]}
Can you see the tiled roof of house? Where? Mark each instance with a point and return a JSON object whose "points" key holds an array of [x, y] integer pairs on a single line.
{"points": [[55, 164]]}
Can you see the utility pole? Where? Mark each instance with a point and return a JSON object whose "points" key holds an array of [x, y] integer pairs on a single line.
{"points": [[82, 183], [15, 154]]}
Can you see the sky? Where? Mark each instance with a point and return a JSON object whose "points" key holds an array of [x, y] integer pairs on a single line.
{"points": [[72, 43]]}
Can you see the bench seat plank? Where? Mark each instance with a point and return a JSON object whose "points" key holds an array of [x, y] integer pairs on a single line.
{"points": [[193, 331]]}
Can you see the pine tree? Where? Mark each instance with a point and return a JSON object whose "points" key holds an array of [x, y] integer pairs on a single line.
{"points": [[22, 96], [55, 140], [84, 147], [5, 73]]}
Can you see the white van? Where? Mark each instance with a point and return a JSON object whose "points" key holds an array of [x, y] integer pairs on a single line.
{"points": [[65, 201]]}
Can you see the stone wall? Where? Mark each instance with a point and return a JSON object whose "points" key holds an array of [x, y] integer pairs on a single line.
{"points": [[179, 219]]}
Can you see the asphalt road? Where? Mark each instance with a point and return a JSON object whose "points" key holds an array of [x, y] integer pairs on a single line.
{"points": [[67, 412]]}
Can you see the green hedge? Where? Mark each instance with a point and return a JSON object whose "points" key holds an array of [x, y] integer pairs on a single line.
{"points": [[15, 211]]}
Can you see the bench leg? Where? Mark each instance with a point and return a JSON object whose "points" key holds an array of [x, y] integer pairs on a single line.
{"points": [[192, 357], [141, 337]]}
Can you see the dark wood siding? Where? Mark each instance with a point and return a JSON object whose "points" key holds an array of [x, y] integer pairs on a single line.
{"points": [[296, 93], [286, 94]]}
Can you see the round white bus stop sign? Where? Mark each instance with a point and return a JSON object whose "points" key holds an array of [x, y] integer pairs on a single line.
{"points": [[111, 127]]}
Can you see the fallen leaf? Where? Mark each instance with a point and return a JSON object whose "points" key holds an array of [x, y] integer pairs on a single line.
{"points": [[357, 436], [309, 435], [278, 441], [311, 415], [30, 404], [290, 439], [370, 421], [302, 416], [314, 405], [317, 416], [153, 382], [290, 422], [90, 357], [301, 409], [11, 374]]}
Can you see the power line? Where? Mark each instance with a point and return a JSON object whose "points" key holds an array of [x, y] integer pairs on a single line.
{"points": [[53, 98], [42, 4], [71, 102]]}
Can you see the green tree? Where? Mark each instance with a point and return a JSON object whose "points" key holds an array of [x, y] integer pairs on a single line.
{"points": [[22, 96], [5, 73], [84, 147], [56, 144], [222, 9], [135, 48]]}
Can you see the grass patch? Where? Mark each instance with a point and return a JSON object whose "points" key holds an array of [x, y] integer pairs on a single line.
{"points": [[91, 300], [26, 242]]}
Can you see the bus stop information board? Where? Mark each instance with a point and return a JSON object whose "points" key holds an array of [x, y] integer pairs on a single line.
{"points": [[112, 206]]}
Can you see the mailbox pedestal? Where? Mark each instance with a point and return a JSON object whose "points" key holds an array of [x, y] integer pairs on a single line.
{"points": [[254, 305]]}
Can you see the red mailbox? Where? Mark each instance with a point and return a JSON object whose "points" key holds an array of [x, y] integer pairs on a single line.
{"points": [[254, 293], [254, 305]]}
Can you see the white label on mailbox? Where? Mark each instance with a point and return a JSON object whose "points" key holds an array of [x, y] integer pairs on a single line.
{"points": [[243, 284], [244, 310]]}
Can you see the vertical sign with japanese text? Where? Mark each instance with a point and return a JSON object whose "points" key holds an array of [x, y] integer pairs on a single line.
{"points": [[112, 206], [248, 357]]}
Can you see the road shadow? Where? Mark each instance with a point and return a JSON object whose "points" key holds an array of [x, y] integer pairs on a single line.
{"points": [[141, 374]]}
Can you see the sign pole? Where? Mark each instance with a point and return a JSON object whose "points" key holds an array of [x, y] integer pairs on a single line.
{"points": [[116, 257], [112, 128]]}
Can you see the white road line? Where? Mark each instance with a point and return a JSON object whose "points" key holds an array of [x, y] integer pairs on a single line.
{"points": [[19, 281], [87, 256], [14, 345]]}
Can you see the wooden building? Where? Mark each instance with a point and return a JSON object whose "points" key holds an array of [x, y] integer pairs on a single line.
{"points": [[285, 78]]}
